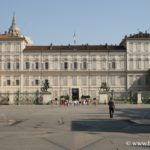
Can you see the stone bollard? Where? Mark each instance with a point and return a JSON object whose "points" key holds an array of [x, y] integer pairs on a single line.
{"points": [[46, 98]]}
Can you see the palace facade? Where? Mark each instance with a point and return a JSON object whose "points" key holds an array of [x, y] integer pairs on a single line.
{"points": [[73, 70]]}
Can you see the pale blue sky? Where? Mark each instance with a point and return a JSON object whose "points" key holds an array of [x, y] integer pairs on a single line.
{"points": [[95, 21]]}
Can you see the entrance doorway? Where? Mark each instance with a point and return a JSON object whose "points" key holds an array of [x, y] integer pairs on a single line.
{"points": [[75, 94]]}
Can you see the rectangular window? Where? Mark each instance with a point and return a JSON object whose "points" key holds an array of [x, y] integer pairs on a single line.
{"points": [[113, 65], [46, 65], [138, 64], [27, 65], [75, 65], [8, 65], [81, 66], [65, 65], [36, 65], [84, 65], [8, 82], [17, 82], [36, 82], [17, 65]]}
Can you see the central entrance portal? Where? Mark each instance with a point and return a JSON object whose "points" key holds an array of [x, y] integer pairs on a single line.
{"points": [[75, 94]]}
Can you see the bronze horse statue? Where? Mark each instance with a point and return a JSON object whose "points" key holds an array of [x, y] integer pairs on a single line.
{"points": [[45, 86], [104, 87]]}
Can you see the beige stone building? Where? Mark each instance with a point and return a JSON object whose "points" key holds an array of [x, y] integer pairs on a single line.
{"points": [[73, 70]]}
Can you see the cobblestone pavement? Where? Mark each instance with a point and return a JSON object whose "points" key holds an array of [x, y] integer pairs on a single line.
{"points": [[31, 127]]}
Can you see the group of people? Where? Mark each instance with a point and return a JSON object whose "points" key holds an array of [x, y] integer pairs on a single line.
{"points": [[86, 102], [64, 102]]}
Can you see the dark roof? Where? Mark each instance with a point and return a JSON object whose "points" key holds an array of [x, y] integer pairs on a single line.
{"points": [[139, 35], [72, 48]]}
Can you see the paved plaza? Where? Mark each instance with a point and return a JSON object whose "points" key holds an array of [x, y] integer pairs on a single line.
{"points": [[46, 127]]}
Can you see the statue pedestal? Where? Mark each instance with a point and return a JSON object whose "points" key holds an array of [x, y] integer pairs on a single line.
{"points": [[11, 99], [46, 97], [139, 98], [103, 98]]}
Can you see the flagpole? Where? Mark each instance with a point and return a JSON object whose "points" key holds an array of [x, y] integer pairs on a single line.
{"points": [[74, 38]]}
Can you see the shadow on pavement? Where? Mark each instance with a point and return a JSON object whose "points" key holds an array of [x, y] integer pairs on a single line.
{"points": [[108, 125], [134, 113], [124, 124]]}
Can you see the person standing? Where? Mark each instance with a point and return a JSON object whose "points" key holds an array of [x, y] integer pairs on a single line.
{"points": [[111, 107]]}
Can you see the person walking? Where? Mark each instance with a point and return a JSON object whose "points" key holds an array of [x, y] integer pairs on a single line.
{"points": [[111, 107]]}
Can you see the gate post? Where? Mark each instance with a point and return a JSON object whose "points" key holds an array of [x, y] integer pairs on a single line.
{"points": [[103, 98], [139, 98]]}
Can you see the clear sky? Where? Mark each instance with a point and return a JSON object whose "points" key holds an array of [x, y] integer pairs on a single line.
{"points": [[94, 21]]}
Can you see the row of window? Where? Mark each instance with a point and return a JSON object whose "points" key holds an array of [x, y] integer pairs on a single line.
{"points": [[64, 66], [138, 80], [74, 80], [138, 46], [54, 59], [12, 83], [139, 64], [8, 47]]}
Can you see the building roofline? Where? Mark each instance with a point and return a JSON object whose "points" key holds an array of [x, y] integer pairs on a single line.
{"points": [[74, 48]]}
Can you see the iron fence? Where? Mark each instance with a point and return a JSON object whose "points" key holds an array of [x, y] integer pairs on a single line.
{"points": [[145, 97]]}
